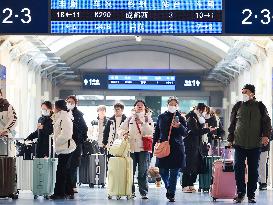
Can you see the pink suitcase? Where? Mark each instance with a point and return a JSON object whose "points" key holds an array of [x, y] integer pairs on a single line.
{"points": [[224, 184]]}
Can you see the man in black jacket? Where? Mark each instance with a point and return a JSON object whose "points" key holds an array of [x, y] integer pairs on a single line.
{"points": [[79, 136], [250, 128]]}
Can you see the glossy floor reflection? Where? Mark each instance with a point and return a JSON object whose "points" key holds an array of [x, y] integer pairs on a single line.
{"points": [[87, 196]]}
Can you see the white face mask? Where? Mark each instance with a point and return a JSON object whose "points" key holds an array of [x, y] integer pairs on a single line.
{"points": [[140, 114], [172, 109], [201, 120], [45, 112], [246, 98], [70, 106]]}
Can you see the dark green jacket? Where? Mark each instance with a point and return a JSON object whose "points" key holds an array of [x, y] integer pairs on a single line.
{"points": [[249, 122]]}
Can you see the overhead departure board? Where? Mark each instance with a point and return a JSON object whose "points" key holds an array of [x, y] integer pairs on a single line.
{"points": [[137, 17], [141, 82]]}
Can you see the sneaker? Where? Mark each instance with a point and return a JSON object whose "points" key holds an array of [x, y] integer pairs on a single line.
{"points": [[168, 195], [171, 197], [187, 189], [144, 197], [263, 186], [252, 200], [239, 198], [192, 189], [70, 196]]}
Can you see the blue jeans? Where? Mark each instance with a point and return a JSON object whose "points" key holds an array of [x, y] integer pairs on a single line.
{"points": [[252, 156], [169, 177], [142, 159]]}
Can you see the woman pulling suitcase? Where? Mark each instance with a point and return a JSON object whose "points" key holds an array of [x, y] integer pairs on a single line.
{"points": [[64, 146], [44, 129], [139, 125]]}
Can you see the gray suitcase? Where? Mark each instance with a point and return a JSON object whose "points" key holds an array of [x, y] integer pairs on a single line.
{"points": [[97, 170], [24, 173]]}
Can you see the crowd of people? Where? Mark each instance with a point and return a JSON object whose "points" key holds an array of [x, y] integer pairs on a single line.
{"points": [[188, 133]]}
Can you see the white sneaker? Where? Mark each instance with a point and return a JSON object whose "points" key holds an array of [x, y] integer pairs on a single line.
{"points": [[187, 189], [192, 189]]}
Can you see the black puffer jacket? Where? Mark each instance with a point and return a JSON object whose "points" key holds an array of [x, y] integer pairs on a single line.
{"points": [[193, 143], [42, 149], [79, 127]]}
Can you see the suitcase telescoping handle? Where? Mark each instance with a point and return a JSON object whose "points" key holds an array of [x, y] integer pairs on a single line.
{"points": [[5, 140], [225, 152], [228, 167], [50, 146]]}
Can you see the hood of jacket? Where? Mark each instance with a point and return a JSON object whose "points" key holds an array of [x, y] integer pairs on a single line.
{"points": [[4, 101]]}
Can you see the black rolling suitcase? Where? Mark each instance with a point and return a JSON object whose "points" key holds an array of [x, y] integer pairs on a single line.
{"points": [[84, 170], [8, 184]]}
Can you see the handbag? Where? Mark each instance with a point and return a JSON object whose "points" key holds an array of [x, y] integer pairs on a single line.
{"points": [[163, 149], [147, 141]]}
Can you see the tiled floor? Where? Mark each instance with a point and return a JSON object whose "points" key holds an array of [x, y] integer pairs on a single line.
{"points": [[97, 196]]}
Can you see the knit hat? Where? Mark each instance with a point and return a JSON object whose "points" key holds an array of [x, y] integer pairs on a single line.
{"points": [[250, 87], [61, 104]]}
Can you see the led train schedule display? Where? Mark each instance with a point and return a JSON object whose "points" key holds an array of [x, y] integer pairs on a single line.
{"points": [[151, 17], [136, 16], [140, 82]]}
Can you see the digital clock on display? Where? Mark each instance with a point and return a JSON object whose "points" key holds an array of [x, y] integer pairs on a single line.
{"points": [[23, 16], [249, 17]]}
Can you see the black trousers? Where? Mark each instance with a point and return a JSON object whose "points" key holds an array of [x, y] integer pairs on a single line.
{"points": [[253, 157], [188, 179], [75, 163], [63, 184]]}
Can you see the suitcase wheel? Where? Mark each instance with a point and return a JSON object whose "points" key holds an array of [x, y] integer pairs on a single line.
{"points": [[128, 197], [118, 197], [109, 197], [102, 185], [46, 197], [91, 186], [35, 197], [79, 184], [199, 190], [214, 199]]}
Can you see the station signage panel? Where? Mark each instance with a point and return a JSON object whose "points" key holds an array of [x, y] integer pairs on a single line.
{"points": [[141, 82]]}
